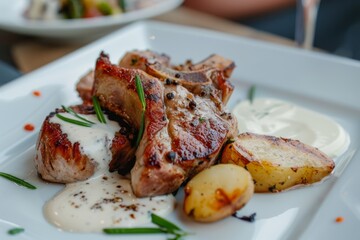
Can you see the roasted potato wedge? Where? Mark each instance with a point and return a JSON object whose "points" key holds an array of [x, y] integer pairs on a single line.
{"points": [[275, 163], [217, 192]]}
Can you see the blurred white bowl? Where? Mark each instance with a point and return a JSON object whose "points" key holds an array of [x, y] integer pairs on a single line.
{"points": [[12, 19]]}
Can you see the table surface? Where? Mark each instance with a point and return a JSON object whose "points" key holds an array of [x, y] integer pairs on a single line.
{"points": [[23, 49]]}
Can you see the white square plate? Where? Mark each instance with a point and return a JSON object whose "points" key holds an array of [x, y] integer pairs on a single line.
{"points": [[324, 83]]}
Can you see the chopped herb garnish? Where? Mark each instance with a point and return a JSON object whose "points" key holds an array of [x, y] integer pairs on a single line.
{"points": [[141, 94], [14, 231], [98, 111], [17, 180], [164, 226], [251, 93], [201, 119], [250, 218]]}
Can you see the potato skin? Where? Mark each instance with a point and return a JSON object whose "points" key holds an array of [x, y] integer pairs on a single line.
{"points": [[283, 163], [217, 192]]}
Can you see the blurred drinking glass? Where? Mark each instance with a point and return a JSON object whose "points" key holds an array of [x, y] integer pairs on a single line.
{"points": [[306, 14]]}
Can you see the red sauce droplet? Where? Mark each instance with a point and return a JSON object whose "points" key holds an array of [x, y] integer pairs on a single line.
{"points": [[339, 219], [37, 93], [29, 127]]}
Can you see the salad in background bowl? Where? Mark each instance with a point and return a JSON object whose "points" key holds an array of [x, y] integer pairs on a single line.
{"points": [[73, 9], [77, 19]]}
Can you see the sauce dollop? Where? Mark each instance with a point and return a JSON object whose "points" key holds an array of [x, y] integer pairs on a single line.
{"points": [[106, 199], [102, 202], [283, 119]]}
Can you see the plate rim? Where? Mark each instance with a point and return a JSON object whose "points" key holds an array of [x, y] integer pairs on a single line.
{"points": [[140, 27]]}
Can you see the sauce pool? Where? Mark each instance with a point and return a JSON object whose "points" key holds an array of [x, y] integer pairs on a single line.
{"points": [[106, 199], [283, 119]]}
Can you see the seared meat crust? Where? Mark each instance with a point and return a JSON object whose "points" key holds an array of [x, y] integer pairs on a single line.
{"points": [[184, 133], [59, 160], [139, 59], [84, 87]]}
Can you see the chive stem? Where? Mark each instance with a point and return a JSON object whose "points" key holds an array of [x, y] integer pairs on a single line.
{"points": [[251, 93], [15, 231], [164, 226], [141, 94], [132, 230], [17, 180], [73, 121], [72, 112], [98, 111]]}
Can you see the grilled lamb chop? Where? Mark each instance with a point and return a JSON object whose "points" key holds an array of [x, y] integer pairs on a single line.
{"points": [[139, 59], [84, 87], [201, 82], [134, 59], [184, 132], [213, 61], [60, 160]]}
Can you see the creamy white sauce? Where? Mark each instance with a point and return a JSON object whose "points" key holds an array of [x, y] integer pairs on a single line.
{"points": [[106, 199], [95, 141], [283, 119], [103, 202]]}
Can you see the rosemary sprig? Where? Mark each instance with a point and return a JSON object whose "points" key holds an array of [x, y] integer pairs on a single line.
{"points": [[72, 112], [17, 180], [251, 93], [15, 231], [140, 91], [164, 227], [74, 121], [83, 121], [99, 113], [132, 230], [161, 222]]}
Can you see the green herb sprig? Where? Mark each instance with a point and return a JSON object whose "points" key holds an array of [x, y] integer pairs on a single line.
{"points": [[251, 93], [164, 226], [17, 180], [132, 230], [74, 121], [81, 121], [141, 94], [72, 112], [98, 111], [15, 231]]}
